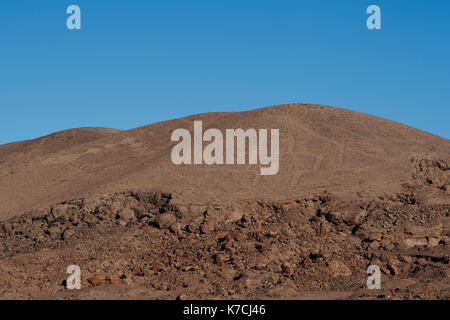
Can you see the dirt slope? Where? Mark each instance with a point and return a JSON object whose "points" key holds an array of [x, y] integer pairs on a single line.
{"points": [[321, 148]]}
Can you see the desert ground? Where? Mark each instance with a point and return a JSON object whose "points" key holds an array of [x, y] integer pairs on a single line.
{"points": [[352, 190]]}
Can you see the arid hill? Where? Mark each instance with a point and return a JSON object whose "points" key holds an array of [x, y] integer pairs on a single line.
{"points": [[321, 148], [352, 191]]}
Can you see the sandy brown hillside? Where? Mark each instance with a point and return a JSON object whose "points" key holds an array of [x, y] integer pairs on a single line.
{"points": [[321, 148], [352, 191]]}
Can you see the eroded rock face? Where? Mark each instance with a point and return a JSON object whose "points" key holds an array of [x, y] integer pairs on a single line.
{"points": [[432, 171], [235, 250]]}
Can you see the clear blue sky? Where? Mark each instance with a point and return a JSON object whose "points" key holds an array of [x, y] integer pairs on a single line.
{"points": [[137, 62]]}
